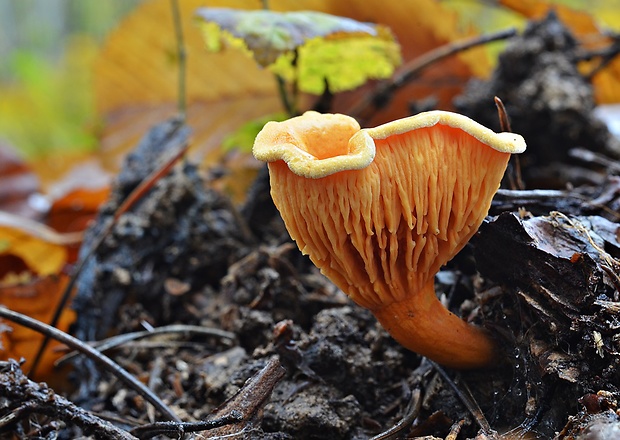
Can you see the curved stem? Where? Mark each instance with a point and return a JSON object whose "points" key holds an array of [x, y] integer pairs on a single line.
{"points": [[423, 325]]}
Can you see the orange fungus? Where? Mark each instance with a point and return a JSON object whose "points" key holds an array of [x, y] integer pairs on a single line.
{"points": [[380, 210]]}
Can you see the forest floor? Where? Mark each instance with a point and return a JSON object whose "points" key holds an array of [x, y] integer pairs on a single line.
{"points": [[255, 338]]}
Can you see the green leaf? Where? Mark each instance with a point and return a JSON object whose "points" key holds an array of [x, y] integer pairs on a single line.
{"points": [[310, 48], [243, 138]]}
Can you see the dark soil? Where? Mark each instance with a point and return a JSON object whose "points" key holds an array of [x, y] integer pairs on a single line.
{"points": [[541, 274]]}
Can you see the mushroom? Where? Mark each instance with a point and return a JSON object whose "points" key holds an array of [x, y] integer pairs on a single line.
{"points": [[380, 210]]}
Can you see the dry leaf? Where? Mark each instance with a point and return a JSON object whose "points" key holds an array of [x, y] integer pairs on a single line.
{"points": [[17, 184], [37, 298], [32, 259], [41, 248]]}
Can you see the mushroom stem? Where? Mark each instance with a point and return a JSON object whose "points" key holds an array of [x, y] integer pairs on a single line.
{"points": [[422, 324]]}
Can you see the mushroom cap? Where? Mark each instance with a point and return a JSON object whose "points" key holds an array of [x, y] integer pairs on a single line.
{"points": [[316, 145], [380, 210]]}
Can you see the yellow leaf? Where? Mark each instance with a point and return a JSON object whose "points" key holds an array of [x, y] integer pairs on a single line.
{"points": [[40, 255], [312, 49]]}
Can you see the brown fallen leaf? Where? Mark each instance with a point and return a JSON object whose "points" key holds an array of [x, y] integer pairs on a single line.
{"points": [[17, 184]]}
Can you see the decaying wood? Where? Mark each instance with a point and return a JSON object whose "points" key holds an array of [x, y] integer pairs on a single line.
{"points": [[564, 309], [31, 409]]}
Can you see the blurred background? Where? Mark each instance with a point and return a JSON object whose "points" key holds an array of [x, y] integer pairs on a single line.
{"points": [[47, 50]]}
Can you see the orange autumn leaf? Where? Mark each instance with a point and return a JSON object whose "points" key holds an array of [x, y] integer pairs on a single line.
{"points": [[137, 70], [584, 26], [36, 298], [32, 281], [224, 90], [73, 211], [579, 21]]}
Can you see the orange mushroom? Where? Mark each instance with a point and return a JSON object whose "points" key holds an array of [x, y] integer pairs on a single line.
{"points": [[380, 210]]}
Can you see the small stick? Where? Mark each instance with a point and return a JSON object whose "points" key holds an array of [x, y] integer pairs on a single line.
{"points": [[516, 181], [182, 56], [116, 341], [179, 429], [364, 108], [284, 97], [467, 399], [107, 363], [504, 121], [412, 412]]}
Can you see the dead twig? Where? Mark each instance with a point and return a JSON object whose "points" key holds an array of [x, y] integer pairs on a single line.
{"points": [[24, 397], [504, 121], [514, 175], [119, 340], [398, 430], [605, 55], [467, 400], [547, 200], [179, 429], [182, 58], [595, 158], [105, 362], [241, 413], [369, 104]]}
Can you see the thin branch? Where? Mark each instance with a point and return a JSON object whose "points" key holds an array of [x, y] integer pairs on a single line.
{"points": [[107, 363], [502, 114], [284, 97], [178, 429], [398, 430], [241, 412], [369, 104], [466, 399], [133, 197], [606, 55], [514, 174], [182, 58], [116, 341]]}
